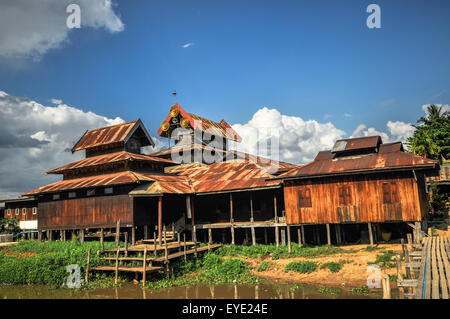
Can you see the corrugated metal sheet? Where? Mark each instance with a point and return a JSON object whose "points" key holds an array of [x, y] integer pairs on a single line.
{"points": [[108, 135], [323, 165], [358, 143], [186, 148], [108, 158], [222, 129]]}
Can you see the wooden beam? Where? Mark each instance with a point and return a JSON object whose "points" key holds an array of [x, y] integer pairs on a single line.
{"points": [[328, 235], [369, 225], [159, 218], [288, 229]]}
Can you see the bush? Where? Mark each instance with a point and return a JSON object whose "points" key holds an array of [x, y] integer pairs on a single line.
{"points": [[9, 226], [265, 265], [302, 267], [333, 266]]}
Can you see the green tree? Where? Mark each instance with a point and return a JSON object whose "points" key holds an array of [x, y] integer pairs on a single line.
{"points": [[431, 138]]}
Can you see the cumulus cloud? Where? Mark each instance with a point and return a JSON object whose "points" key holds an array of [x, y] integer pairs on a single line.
{"points": [[35, 139], [445, 107], [293, 139], [31, 28]]}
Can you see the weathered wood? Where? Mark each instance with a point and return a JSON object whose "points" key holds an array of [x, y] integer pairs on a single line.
{"points": [[82, 235], [184, 247], [102, 243], [159, 218], [133, 235], [328, 234], [209, 235], [154, 243], [195, 240], [386, 287], [144, 268], [303, 234], [126, 243], [398, 260], [88, 263], [283, 237], [116, 277], [117, 232], [299, 237], [369, 225], [145, 231], [266, 240], [232, 232], [288, 229], [165, 244]]}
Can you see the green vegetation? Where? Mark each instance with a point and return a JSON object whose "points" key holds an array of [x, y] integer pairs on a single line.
{"points": [[302, 267], [32, 262], [393, 278], [265, 265], [329, 290], [360, 290], [279, 252], [385, 260], [333, 266], [373, 248], [9, 226]]}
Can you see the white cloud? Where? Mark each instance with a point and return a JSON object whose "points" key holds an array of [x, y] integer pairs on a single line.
{"points": [[299, 140], [31, 28], [56, 101], [347, 115], [35, 138], [187, 45]]}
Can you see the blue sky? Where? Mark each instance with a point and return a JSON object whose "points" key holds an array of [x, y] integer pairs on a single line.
{"points": [[313, 59]]}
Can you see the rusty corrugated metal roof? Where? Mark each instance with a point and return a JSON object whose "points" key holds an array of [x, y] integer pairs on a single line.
{"points": [[202, 124], [392, 160], [109, 135], [109, 158], [352, 144]]}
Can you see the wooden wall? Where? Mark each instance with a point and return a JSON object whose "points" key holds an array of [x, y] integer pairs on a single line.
{"points": [[357, 198], [87, 212], [28, 205]]}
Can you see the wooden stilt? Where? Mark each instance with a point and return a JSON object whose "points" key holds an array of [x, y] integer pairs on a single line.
{"points": [[277, 233], [399, 274], [102, 241], [39, 235], [299, 237], [370, 233], [86, 279], [145, 231], [160, 219], [144, 267], [209, 235], [179, 241], [195, 239], [328, 235], [165, 244], [303, 234], [288, 229], [117, 266], [117, 232], [82, 235], [252, 220], [133, 235], [283, 237], [223, 236], [386, 287], [184, 247], [126, 243], [266, 239], [154, 243], [336, 232], [246, 236], [50, 235], [253, 233], [232, 232]]}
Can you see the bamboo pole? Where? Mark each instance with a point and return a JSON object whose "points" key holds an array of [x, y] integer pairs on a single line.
{"points": [[117, 232], [117, 266], [232, 232], [288, 229], [144, 267], [126, 243], [87, 265], [102, 240]]}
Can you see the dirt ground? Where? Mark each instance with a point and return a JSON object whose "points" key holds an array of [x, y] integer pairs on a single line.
{"points": [[353, 273]]}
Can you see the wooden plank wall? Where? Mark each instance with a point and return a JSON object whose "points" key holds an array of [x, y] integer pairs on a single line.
{"points": [[366, 199], [27, 205], [88, 212]]}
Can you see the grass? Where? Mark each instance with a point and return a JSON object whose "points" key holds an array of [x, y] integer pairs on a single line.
{"points": [[32, 262], [385, 260], [302, 267], [373, 248], [279, 252], [329, 290]]}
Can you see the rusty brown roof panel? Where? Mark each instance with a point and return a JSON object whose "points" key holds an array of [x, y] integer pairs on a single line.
{"points": [[391, 147], [109, 158], [109, 135], [358, 143], [361, 163], [202, 124]]}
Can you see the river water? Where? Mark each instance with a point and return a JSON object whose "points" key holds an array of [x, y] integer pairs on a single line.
{"points": [[269, 290]]}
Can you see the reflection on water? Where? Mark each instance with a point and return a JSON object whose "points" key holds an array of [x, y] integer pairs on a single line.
{"points": [[129, 291]]}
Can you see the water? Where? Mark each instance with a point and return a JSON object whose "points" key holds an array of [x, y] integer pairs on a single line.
{"points": [[130, 291]]}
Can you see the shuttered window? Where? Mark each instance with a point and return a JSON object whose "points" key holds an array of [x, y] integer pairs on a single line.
{"points": [[345, 195], [304, 197], [34, 210], [9, 212], [390, 193], [24, 211]]}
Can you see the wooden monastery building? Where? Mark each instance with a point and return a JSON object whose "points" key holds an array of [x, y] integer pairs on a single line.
{"points": [[201, 186]]}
